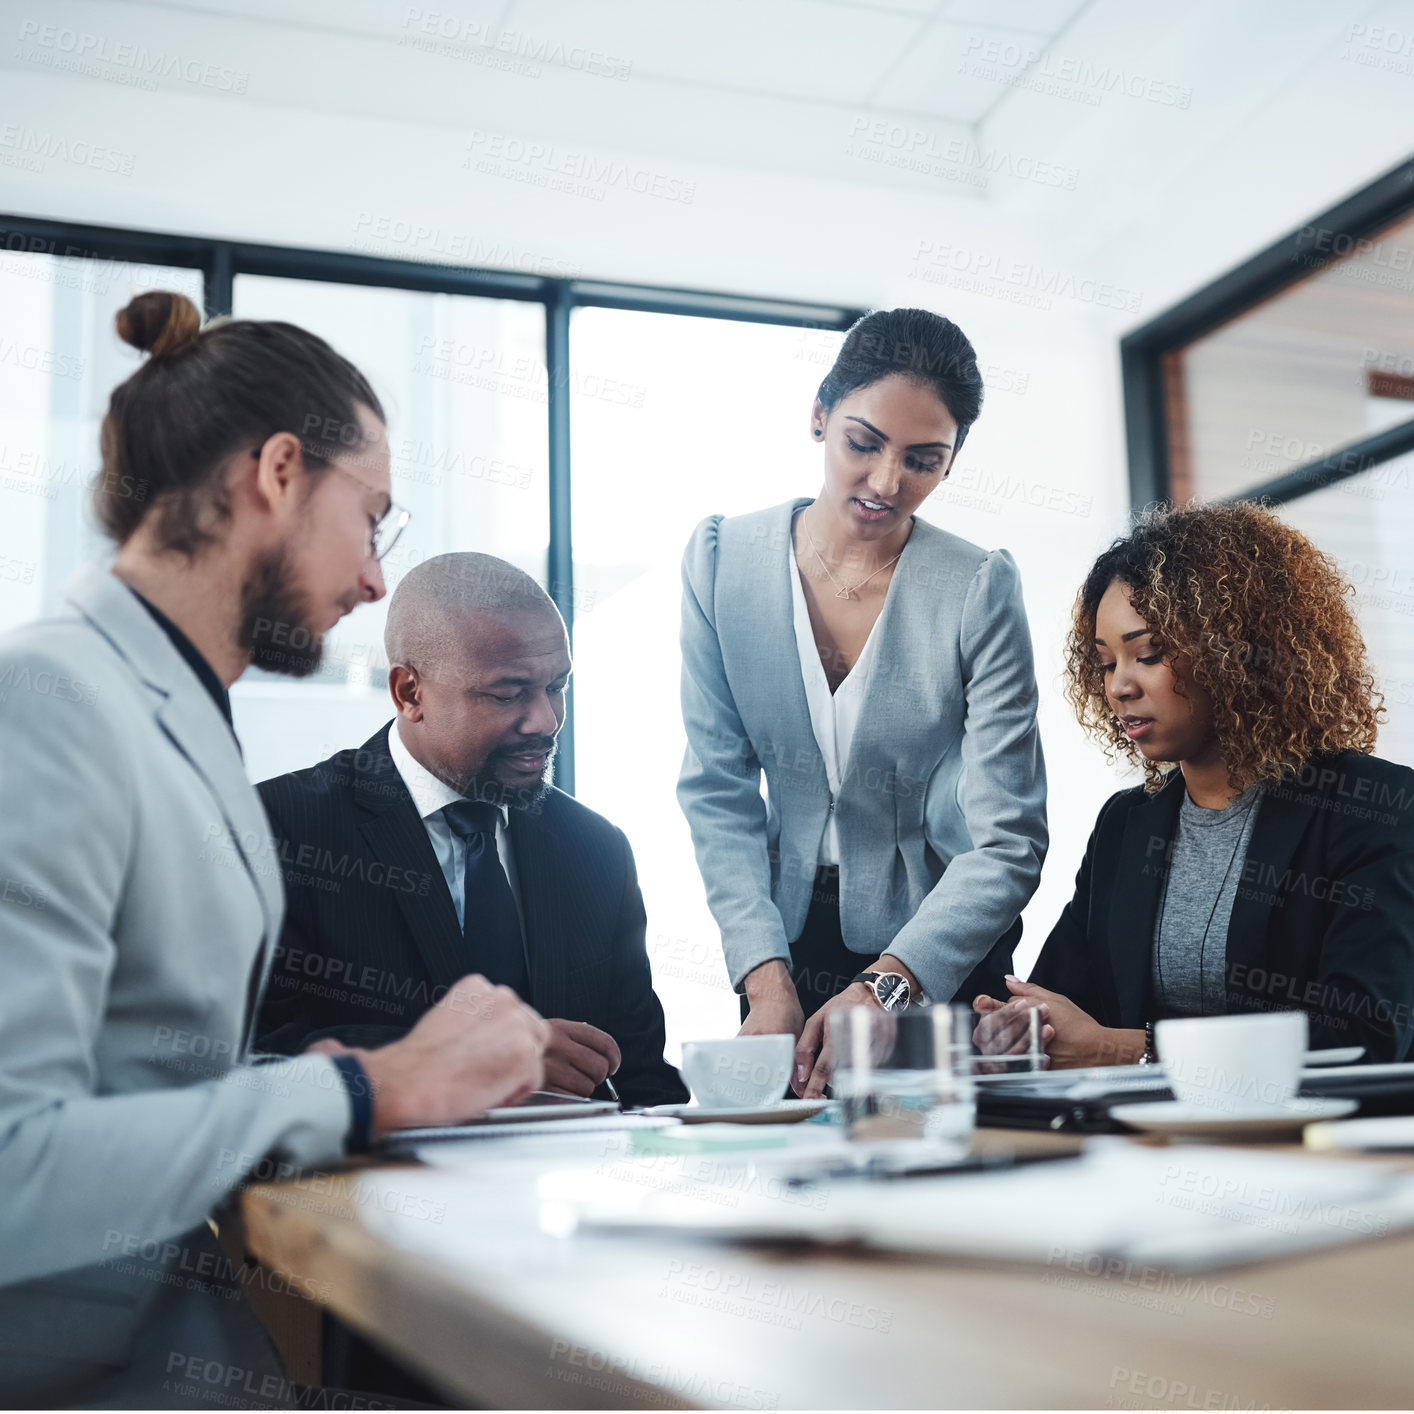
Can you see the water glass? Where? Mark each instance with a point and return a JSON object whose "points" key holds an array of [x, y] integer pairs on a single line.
{"points": [[1007, 1041], [904, 1076]]}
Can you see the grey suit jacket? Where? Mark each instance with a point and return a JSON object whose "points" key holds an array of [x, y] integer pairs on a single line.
{"points": [[941, 812], [140, 903]]}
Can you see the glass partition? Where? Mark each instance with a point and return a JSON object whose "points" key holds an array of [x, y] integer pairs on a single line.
{"points": [[1367, 523], [1323, 364]]}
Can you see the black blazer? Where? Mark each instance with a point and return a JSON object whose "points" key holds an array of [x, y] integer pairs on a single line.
{"points": [[1323, 921], [371, 938]]}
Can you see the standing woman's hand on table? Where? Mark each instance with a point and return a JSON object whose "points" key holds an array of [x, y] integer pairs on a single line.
{"points": [[814, 1062], [775, 1005]]}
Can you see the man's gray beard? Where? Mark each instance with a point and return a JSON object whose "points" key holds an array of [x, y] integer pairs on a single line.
{"points": [[275, 620], [494, 792]]}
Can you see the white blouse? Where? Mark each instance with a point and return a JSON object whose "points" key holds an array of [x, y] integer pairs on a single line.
{"points": [[833, 716]]}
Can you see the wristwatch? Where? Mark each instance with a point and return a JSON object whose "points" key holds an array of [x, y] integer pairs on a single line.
{"points": [[891, 989], [1151, 1050]]}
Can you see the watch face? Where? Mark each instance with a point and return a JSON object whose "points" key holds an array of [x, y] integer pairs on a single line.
{"points": [[892, 991]]}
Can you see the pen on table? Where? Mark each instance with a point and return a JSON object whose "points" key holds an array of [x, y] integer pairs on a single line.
{"points": [[890, 1168]]}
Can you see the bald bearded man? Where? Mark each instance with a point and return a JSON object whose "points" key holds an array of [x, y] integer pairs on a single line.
{"points": [[438, 848]]}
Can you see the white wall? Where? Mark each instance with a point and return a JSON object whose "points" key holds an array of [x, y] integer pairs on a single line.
{"points": [[338, 143]]}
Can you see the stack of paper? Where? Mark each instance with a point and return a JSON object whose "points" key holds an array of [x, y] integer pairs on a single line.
{"points": [[1181, 1207]]}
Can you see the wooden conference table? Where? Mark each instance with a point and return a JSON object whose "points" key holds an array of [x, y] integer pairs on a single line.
{"points": [[452, 1272]]}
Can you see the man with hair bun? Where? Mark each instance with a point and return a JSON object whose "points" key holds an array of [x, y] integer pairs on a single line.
{"points": [[451, 851], [245, 484]]}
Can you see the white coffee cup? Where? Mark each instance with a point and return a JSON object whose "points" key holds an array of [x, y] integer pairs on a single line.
{"points": [[739, 1072], [1234, 1065]]}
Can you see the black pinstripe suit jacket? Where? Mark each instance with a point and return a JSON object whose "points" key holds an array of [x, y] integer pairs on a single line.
{"points": [[371, 939]]}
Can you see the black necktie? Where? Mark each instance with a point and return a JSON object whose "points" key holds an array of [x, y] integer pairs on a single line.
{"points": [[490, 923]]}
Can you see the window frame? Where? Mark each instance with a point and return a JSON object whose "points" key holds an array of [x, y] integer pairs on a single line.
{"points": [[221, 261], [1282, 265]]}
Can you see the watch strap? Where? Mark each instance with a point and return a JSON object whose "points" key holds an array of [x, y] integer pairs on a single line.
{"points": [[871, 980], [360, 1093]]}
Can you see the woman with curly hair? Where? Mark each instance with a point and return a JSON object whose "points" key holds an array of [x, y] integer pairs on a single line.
{"points": [[1274, 869]]}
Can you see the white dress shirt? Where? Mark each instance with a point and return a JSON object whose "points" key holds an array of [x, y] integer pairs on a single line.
{"points": [[833, 716], [431, 796]]}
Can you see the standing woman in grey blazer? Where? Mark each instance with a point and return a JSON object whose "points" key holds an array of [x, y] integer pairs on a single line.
{"points": [[878, 670]]}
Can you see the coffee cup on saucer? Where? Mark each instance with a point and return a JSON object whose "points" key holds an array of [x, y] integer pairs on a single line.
{"points": [[738, 1073], [1236, 1065]]}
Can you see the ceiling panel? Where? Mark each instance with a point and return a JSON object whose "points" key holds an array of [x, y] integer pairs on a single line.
{"points": [[902, 7], [1042, 16], [948, 74], [884, 56], [790, 48], [879, 91], [389, 18]]}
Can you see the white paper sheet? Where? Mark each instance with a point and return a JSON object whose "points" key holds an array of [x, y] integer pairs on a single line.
{"points": [[1181, 1207]]}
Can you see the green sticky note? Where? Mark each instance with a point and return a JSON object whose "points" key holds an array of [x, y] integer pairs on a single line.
{"points": [[706, 1139]]}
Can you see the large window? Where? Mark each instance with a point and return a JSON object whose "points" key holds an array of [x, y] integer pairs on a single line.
{"points": [[673, 419], [463, 382], [670, 405], [59, 361]]}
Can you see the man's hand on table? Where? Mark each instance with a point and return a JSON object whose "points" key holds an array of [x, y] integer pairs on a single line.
{"points": [[479, 1047], [578, 1057]]}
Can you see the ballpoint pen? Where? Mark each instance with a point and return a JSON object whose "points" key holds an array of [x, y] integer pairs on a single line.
{"points": [[613, 1094], [891, 1167]]}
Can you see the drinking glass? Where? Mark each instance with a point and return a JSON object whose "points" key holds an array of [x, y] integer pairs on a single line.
{"points": [[904, 1077]]}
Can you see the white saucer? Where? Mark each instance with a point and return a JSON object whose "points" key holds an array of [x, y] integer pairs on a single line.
{"points": [[781, 1112], [1339, 1055], [1182, 1120]]}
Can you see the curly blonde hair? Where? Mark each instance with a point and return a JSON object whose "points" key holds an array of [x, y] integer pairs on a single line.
{"points": [[1261, 620]]}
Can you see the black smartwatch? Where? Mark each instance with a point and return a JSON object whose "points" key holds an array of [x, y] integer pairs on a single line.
{"points": [[891, 989]]}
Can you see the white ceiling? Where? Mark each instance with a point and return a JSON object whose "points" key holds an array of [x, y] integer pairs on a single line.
{"points": [[884, 57], [940, 99]]}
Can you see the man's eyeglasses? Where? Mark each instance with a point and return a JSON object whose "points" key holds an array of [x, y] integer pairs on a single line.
{"points": [[384, 532], [386, 528]]}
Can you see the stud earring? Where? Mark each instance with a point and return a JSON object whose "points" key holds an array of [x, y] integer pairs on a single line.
{"points": [[819, 432]]}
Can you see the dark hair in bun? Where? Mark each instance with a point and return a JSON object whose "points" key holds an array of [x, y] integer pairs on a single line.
{"points": [[159, 322], [204, 395], [922, 346]]}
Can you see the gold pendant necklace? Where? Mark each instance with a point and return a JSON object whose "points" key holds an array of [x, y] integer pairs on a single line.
{"points": [[842, 590]]}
